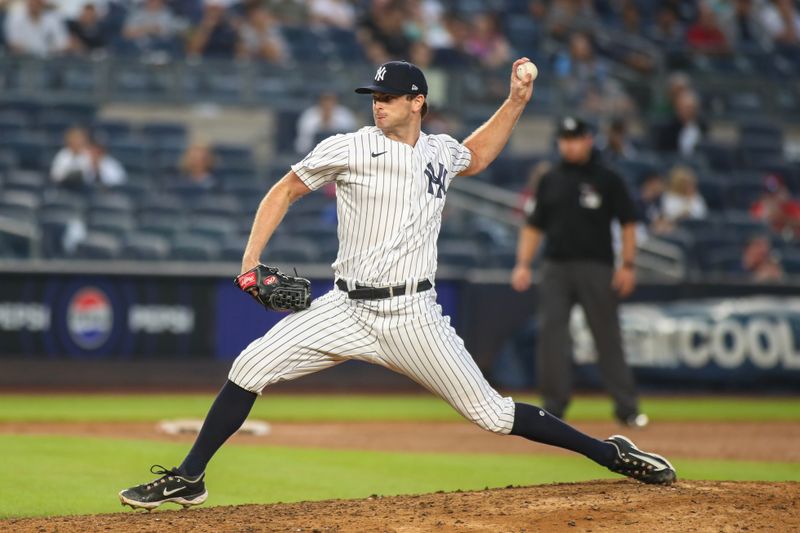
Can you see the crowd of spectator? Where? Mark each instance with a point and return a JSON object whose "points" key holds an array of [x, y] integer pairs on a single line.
{"points": [[457, 31], [584, 45]]}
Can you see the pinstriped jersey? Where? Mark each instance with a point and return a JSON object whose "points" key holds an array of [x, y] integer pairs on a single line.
{"points": [[389, 200]]}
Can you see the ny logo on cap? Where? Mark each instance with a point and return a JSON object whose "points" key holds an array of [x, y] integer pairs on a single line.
{"points": [[380, 74]]}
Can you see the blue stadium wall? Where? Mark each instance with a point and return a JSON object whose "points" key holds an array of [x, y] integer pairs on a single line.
{"points": [[193, 326]]}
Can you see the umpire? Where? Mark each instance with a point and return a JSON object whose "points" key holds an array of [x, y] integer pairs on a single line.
{"points": [[575, 205]]}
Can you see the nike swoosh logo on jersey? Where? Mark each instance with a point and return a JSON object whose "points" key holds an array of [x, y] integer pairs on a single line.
{"points": [[173, 491], [379, 153]]}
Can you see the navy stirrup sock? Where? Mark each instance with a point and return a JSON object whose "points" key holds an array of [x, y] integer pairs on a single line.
{"points": [[225, 417], [538, 425]]}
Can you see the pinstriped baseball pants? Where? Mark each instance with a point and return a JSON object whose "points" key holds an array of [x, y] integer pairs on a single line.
{"points": [[407, 334]]}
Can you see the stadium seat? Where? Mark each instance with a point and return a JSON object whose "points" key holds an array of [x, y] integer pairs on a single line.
{"points": [[232, 248], [27, 180], [460, 253], [156, 221], [54, 223], [19, 205], [111, 201], [115, 223], [55, 197], [214, 226], [118, 130], [292, 251], [187, 247], [145, 247], [98, 246], [165, 132], [29, 148], [18, 238], [725, 261], [217, 204]]}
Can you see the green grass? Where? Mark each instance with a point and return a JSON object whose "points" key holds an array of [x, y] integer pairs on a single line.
{"points": [[73, 475], [286, 408]]}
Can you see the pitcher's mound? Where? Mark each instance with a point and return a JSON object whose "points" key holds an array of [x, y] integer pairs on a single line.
{"points": [[595, 506]]}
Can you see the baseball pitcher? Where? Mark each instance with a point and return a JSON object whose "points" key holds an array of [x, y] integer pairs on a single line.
{"points": [[391, 182]]}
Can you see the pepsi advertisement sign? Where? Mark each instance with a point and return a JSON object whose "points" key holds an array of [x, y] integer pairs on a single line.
{"points": [[105, 316], [90, 318]]}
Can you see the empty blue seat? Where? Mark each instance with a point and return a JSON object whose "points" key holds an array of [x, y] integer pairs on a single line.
{"points": [[160, 222], [187, 247], [217, 204], [98, 246], [215, 226], [115, 223], [145, 247]]}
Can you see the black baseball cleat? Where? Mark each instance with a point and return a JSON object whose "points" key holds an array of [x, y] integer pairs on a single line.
{"points": [[170, 487], [643, 466]]}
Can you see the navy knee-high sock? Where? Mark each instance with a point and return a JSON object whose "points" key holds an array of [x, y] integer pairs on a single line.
{"points": [[225, 417], [537, 424]]}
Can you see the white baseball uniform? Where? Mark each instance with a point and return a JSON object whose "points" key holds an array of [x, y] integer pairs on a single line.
{"points": [[389, 198]]}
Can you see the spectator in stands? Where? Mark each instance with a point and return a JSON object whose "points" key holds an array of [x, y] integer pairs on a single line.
{"points": [[586, 83], [687, 127], [32, 28], [706, 35], [616, 144], [633, 50], [668, 32], [777, 208], [426, 24], [487, 43], [664, 104], [568, 16], [759, 260], [152, 27], [260, 37], [742, 27], [87, 32], [781, 21], [384, 25], [332, 13], [323, 119], [215, 36], [649, 204], [197, 165], [106, 170], [683, 200], [289, 12], [72, 165]]}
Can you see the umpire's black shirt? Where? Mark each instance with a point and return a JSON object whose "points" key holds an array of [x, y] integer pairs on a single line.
{"points": [[575, 204]]}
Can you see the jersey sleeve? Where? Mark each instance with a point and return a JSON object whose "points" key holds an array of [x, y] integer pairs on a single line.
{"points": [[325, 163], [460, 156]]}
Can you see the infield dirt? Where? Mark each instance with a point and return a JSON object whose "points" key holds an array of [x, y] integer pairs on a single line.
{"points": [[607, 506]]}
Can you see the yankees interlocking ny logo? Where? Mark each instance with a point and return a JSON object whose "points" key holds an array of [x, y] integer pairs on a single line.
{"points": [[436, 179], [380, 74]]}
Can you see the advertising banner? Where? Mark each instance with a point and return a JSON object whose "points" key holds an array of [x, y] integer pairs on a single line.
{"points": [[100, 316], [743, 340]]}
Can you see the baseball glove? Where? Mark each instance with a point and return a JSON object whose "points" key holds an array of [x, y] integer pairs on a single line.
{"points": [[275, 290]]}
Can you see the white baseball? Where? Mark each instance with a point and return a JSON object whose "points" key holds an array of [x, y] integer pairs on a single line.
{"points": [[527, 68]]}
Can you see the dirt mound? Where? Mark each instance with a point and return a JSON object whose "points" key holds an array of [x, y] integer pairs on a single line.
{"points": [[605, 506]]}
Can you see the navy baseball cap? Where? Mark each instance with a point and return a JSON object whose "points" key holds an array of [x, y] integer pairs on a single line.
{"points": [[397, 77], [571, 126]]}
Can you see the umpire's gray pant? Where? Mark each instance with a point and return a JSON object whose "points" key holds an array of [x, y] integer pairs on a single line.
{"points": [[565, 283]]}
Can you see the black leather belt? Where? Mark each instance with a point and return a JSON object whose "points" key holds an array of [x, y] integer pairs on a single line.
{"points": [[377, 293]]}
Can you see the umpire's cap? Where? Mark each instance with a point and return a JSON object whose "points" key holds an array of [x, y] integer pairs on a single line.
{"points": [[572, 126], [397, 77]]}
